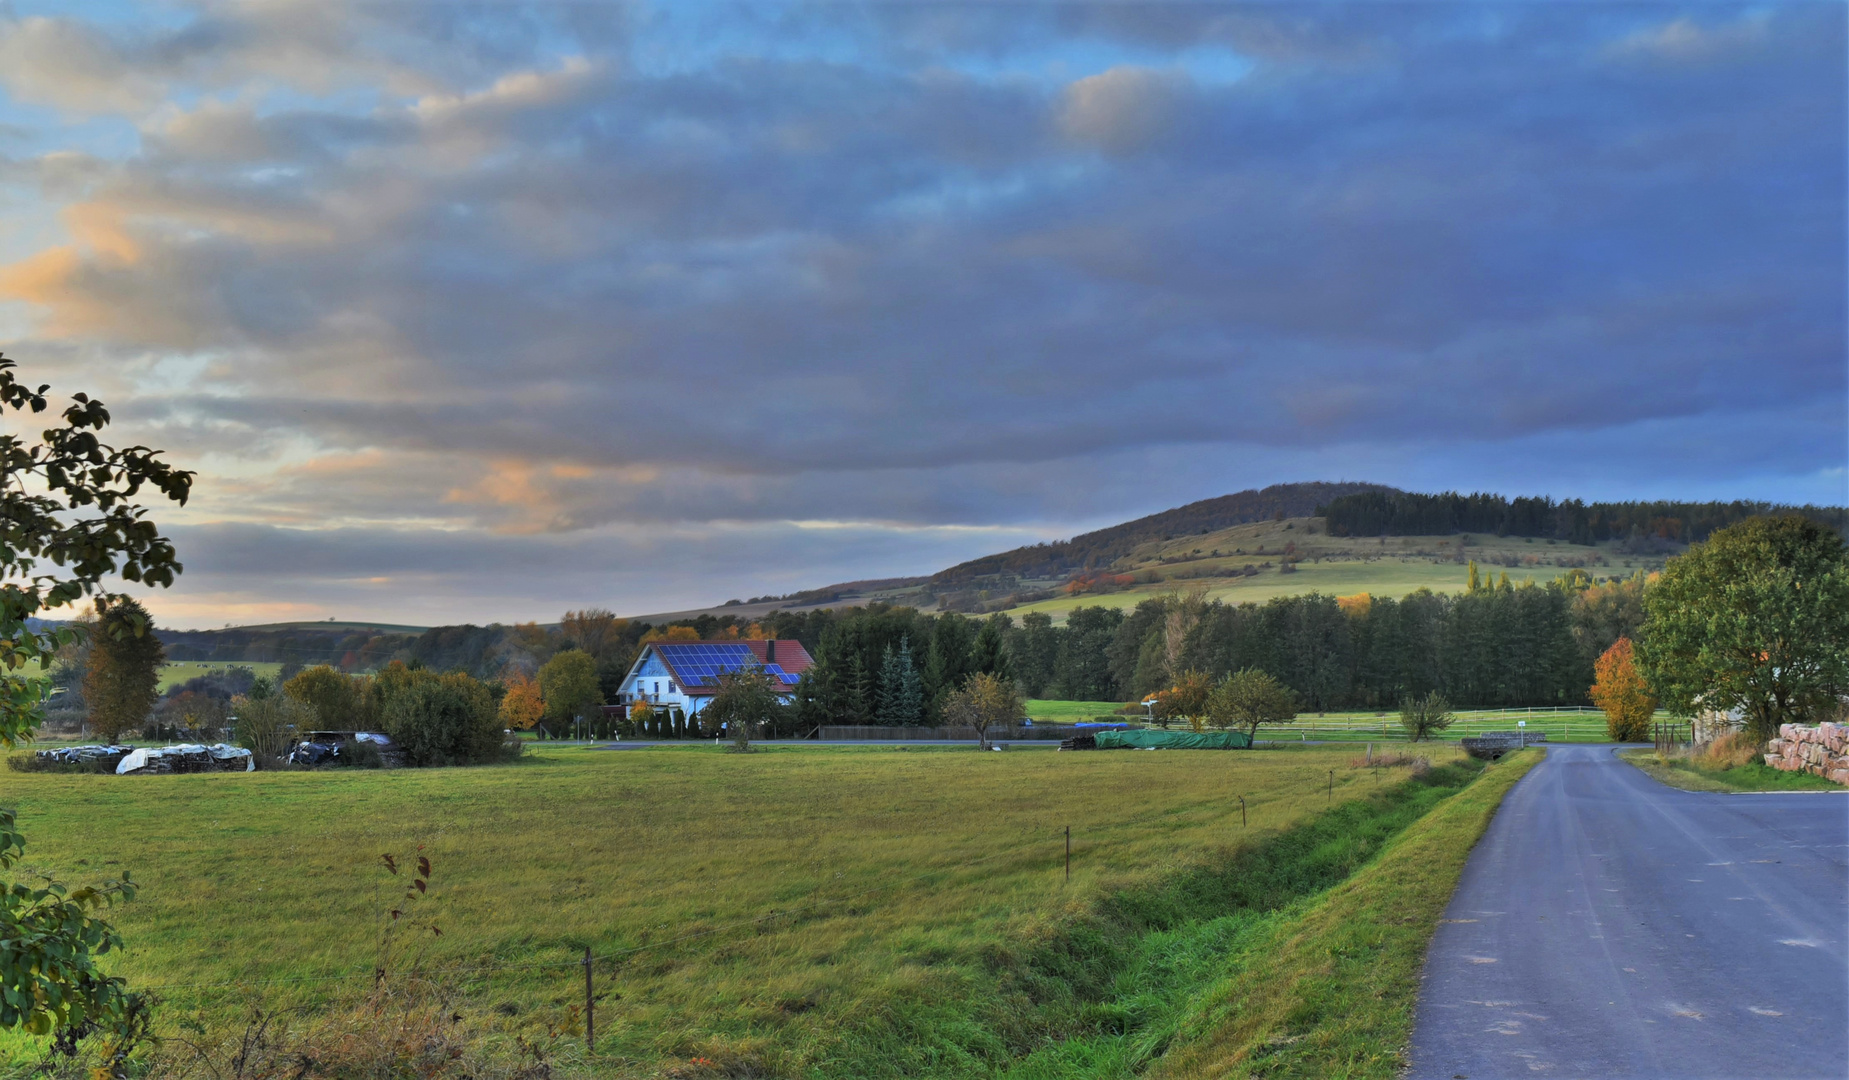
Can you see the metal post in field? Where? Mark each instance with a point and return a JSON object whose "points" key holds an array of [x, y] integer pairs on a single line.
{"points": [[1242, 811], [1068, 854], [1331, 785], [590, 1030]]}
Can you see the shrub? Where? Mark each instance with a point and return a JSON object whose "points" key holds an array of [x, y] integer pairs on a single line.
{"points": [[1425, 717], [440, 719], [266, 726]]}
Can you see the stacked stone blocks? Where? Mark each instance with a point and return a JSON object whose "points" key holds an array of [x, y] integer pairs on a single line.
{"points": [[1823, 750]]}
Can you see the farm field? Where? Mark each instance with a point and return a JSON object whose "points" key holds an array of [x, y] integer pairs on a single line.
{"points": [[761, 908], [1072, 712], [1560, 725], [175, 672]]}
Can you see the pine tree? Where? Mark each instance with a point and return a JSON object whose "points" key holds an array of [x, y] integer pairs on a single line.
{"points": [[907, 708], [990, 653], [887, 713]]}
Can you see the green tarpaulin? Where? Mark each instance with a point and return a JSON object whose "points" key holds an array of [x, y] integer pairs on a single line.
{"points": [[1173, 740]]}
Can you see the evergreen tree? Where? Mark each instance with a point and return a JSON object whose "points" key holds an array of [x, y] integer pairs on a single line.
{"points": [[990, 653], [1036, 653], [901, 690], [948, 659]]}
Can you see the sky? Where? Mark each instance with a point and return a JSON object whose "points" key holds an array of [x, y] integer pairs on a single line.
{"points": [[479, 312]]}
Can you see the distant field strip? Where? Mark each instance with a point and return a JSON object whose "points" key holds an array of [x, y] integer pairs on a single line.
{"points": [[1559, 725]]}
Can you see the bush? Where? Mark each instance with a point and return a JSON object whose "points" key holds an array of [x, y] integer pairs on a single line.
{"points": [[440, 719], [267, 726], [1425, 717]]}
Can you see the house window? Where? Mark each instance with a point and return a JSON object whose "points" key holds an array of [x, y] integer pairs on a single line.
{"points": [[671, 688]]}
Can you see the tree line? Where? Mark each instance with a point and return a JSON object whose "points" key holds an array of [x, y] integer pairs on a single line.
{"points": [[1404, 513]]}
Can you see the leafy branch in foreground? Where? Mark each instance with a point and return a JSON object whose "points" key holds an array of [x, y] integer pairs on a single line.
{"points": [[68, 521]]}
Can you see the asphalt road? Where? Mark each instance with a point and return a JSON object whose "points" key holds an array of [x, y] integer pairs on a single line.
{"points": [[1609, 926]]}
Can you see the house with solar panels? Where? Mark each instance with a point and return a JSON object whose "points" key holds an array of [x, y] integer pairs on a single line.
{"points": [[684, 675]]}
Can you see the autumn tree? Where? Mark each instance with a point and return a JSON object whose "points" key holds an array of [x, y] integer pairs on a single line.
{"points": [[1755, 619], [523, 705], [568, 684], [983, 703], [594, 630], [1620, 689], [122, 683], [70, 524], [1248, 698], [1186, 700], [338, 699]]}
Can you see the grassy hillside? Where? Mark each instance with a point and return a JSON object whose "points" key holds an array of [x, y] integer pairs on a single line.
{"points": [[831, 912], [1218, 563]]}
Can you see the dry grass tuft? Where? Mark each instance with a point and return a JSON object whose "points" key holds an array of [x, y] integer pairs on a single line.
{"points": [[1731, 751], [1393, 760]]}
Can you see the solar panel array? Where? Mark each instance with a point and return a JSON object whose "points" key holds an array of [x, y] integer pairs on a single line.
{"points": [[702, 664]]}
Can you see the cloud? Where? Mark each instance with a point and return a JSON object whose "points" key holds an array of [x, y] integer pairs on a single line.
{"points": [[1123, 109], [537, 273]]}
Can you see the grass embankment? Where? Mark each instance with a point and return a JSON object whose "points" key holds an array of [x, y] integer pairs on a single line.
{"points": [[915, 890], [1328, 990], [1255, 965], [1697, 774]]}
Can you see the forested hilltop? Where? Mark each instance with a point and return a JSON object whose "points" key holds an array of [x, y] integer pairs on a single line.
{"points": [[1386, 512]]}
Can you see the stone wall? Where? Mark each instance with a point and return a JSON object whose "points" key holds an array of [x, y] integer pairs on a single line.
{"points": [[1823, 750]]}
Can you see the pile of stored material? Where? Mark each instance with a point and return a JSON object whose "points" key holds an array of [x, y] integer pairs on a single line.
{"points": [[101, 757], [1491, 745], [1145, 739], [343, 747], [1823, 750], [187, 758]]}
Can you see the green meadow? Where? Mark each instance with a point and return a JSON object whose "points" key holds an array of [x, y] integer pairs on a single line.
{"points": [[796, 911], [175, 672]]}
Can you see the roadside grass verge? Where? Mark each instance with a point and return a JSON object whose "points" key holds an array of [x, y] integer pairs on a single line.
{"points": [[1697, 775], [1328, 990], [1141, 959]]}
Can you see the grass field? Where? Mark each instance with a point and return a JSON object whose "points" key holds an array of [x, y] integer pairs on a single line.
{"points": [[1559, 725], [833, 912], [175, 672], [1072, 712]]}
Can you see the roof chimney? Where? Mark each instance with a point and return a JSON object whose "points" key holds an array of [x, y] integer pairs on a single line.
{"points": [[770, 650]]}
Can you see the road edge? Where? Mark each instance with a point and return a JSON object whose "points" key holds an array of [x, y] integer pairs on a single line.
{"points": [[1332, 992]]}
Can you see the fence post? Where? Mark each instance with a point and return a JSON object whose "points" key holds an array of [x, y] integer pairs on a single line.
{"points": [[590, 1030], [1242, 811], [1068, 854], [1331, 785]]}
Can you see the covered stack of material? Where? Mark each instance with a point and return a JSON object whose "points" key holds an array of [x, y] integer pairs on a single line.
{"points": [[1823, 750], [1172, 740], [100, 756], [187, 758]]}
